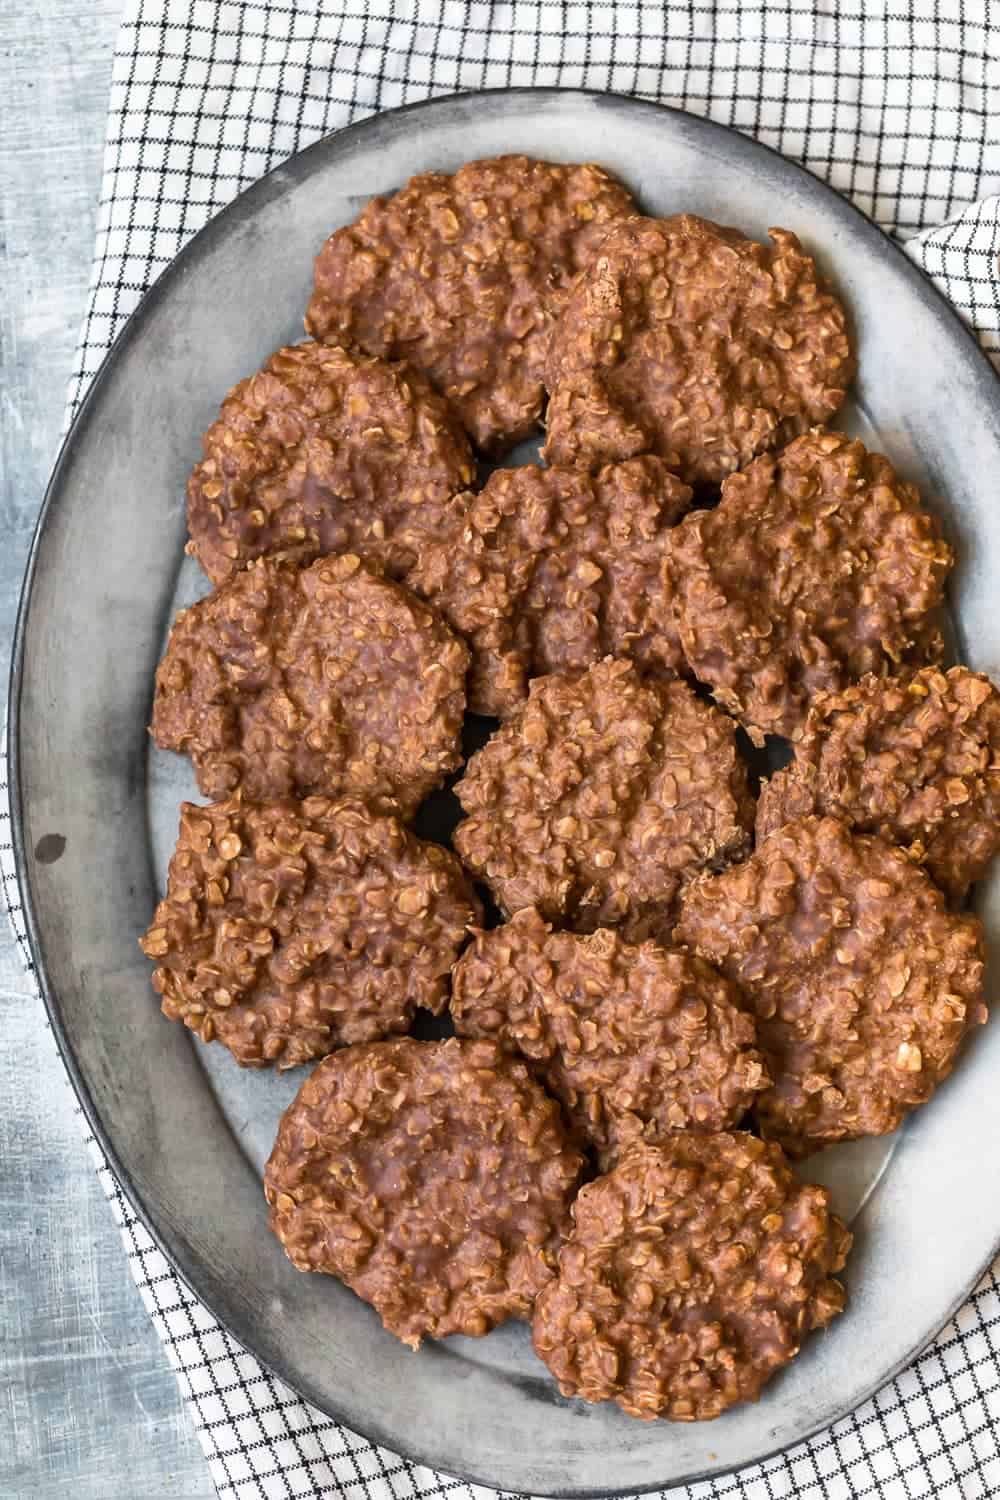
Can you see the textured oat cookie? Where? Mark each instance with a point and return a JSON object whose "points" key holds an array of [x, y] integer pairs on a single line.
{"points": [[600, 796], [552, 569], [915, 759], [291, 928], [464, 277], [635, 1041], [325, 450], [863, 984], [692, 1275], [691, 341], [434, 1178], [820, 565], [327, 679]]}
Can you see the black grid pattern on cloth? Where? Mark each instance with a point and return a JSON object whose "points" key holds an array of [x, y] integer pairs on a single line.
{"points": [[895, 106]]}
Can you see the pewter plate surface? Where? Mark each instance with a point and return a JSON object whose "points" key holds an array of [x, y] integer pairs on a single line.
{"points": [[186, 1129]]}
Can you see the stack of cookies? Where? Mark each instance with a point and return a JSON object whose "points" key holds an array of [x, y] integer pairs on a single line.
{"points": [[677, 987]]}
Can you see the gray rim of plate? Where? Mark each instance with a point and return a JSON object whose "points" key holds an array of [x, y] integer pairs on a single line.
{"points": [[718, 140]]}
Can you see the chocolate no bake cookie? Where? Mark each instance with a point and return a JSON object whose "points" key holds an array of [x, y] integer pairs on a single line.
{"points": [[819, 565], [291, 928], [434, 1178], [327, 679], [915, 759], [463, 276], [688, 340], [635, 1042], [693, 1273], [863, 984], [600, 795], [326, 450], [550, 570]]}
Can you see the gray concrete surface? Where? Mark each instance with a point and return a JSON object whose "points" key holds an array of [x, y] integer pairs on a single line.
{"points": [[89, 1407]]}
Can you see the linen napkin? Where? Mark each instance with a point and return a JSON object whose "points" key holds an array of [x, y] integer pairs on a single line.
{"points": [[894, 106]]}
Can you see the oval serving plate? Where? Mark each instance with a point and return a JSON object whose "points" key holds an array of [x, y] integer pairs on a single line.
{"points": [[184, 1129]]}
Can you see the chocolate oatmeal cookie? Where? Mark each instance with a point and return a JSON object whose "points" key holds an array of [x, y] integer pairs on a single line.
{"points": [[291, 928], [326, 679], [820, 565], [693, 1273], [463, 276], [914, 759], [864, 985], [635, 1042], [691, 341], [326, 450], [434, 1178], [552, 569], [599, 796]]}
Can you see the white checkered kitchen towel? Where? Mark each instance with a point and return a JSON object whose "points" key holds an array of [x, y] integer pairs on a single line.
{"points": [[897, 106]]}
